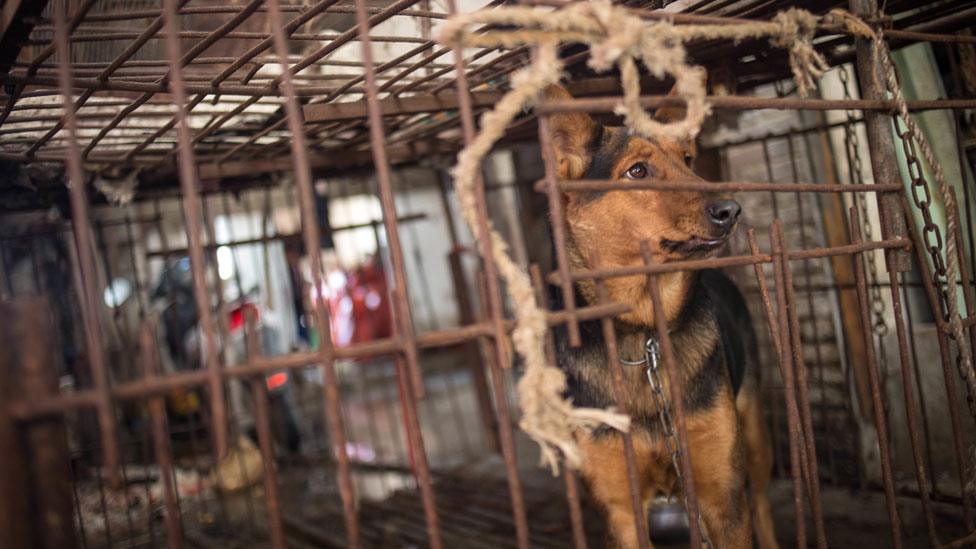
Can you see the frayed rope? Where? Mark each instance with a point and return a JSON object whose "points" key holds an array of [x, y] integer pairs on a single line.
{"points": [[616, 38]]}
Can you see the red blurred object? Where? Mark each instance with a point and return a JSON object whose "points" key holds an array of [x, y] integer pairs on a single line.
{"points": [[359, 304], [237, 315], [276, 380]]}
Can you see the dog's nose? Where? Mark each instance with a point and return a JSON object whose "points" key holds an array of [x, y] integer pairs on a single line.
{"points": [[723, 213]]}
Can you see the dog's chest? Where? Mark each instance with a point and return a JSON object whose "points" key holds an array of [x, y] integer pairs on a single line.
{"points": [[699, 365]]}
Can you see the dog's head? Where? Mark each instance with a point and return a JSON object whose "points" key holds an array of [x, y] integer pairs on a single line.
{"points": [[607, 228]]}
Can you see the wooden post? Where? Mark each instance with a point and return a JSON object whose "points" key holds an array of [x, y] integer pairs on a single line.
{"points": [[39, 454], [835, 231]]}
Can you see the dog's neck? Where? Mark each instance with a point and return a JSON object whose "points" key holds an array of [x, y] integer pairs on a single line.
{"points": [[674, 288]]}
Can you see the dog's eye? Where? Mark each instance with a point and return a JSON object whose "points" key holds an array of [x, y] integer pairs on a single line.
{"points": [[637, 171], [689, 159]]}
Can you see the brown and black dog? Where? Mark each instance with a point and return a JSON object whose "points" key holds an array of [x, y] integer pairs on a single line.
{"points": [[708, 323]]}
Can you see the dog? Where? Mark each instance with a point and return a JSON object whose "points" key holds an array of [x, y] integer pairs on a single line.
{"points": [[713, 343]]}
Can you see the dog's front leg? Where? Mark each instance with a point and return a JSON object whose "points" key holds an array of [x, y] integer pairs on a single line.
{"points": [[605, 472], [718, 464]]}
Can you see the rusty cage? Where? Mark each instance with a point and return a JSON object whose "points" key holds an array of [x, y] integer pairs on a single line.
{"points": [[275, 158]]}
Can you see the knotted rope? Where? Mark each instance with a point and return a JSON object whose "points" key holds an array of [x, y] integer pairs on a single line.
{"points": [[615, 37], [954, 320]]}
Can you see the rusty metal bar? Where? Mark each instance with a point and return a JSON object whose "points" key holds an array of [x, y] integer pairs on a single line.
{"points": [[259, 392], [798, 386], [25, 410], [30, 361], [884, 165], [161, 441], [948, 376], [708, 186], [403, 323], [76, 18], [466, 110], [15, 506], [558, 226], [191, 209], [676, 396], [797, 456], [88, 300], [876, 389], [310, 228], [911, 411], [732, 261], [402, 315], [737, 102], [569, 475], [466, 316], [967, 286], [617, 383]]}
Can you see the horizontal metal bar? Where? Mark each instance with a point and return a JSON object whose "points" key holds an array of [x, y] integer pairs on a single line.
{"points": [[739, 102], [329, 112], [735, 261], [708, 186], [281, 237], [144, 388]]}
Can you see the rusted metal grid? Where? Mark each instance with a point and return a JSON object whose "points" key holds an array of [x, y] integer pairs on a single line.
{"points": [[398, 111]]}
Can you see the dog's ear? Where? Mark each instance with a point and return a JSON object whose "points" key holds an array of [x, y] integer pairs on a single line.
{"points": [[666, 115], [571, 133]]}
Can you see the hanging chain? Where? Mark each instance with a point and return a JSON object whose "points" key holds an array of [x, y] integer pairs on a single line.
{"points": [[652, 358], [852, 145], [922, 196], [931, 233]]}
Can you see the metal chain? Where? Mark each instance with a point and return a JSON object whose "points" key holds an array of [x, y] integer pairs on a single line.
{"points": [[652, 357], [922, 196], [908, 132], [853, 146]]}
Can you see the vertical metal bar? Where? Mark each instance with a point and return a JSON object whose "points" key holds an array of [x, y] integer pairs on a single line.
{"points": [[569, 475], [87, 292], [190, 188], [911, 411], [133, 264], [923, 407], [676, 396], [161, 443], [792, 414], [800, 363], [500, 336], [259, 393], [873, 377], [401, 312], [967, 292], [6, 285], [558, 225], [797, 384], [617, 383], [381, 164], [948, 376], [77, 503], [775, 412], [966, 283], [310, 231], [884, 165], [31, 340], [466, 315], [121, 329], [15, 505], [222, 316], [267, 224]]}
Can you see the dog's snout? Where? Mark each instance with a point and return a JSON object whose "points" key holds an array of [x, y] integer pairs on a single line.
{"points": [[723, 213]]}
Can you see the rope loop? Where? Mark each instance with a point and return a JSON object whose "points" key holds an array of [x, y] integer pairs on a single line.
{"points": [[616, 38]]}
